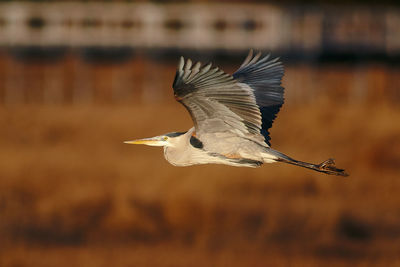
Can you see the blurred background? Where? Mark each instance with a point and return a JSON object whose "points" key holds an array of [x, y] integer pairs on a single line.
{"points": [[78, 78]]}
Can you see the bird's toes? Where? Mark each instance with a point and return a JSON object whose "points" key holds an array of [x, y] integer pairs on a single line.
{"points": [[327, 164]]}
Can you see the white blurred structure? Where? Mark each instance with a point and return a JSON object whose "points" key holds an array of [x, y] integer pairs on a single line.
{"points": [[48, 50], [199, 26]]}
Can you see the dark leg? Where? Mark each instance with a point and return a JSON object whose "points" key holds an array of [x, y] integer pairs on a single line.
{"points": [[328, 166]]}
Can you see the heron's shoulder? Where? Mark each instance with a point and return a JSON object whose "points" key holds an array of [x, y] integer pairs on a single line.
{"points": [[195, 142]]}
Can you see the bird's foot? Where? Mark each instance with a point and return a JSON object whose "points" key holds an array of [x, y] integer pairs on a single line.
{"points": [[328, 166]]}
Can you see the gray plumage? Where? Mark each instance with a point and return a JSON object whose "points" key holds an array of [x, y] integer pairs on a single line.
{"points": [[232, 115]]}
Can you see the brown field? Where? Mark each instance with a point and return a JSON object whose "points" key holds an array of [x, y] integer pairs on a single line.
{"points": [[72, 194]]}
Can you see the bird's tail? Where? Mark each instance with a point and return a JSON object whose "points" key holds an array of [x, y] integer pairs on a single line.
{"points": [[327, 166]]}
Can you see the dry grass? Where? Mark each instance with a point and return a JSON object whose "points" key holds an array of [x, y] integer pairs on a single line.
{"points": [[72, 194]]}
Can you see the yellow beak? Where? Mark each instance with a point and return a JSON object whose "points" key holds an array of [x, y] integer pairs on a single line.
{"points": [[154, 141]]}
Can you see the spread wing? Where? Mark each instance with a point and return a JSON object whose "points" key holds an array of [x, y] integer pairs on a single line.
{"points": [[216, 101], [222, 104], [264, 77]]}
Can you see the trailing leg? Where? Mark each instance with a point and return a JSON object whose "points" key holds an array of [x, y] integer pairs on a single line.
{"points": [[327, 166]]}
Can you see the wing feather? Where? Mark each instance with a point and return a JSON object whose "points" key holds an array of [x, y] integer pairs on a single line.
{"points": [[264, 78], [243, 104], [216, 101]]}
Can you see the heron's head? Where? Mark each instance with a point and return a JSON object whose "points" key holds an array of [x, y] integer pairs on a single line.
{"points": [[168, 139]]}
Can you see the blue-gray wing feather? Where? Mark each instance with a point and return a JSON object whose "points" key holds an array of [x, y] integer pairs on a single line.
{"points": [[216, 101], [264, 76]]}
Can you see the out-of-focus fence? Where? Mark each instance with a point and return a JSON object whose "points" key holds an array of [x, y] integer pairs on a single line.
{"points": [[201, 26], [80, 52]]}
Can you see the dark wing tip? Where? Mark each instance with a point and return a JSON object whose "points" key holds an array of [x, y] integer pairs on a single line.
{"points": [[263, 75]]}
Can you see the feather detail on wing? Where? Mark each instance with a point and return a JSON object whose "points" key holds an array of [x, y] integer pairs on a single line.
{"points": [[264, 78], [216, 101], [243, 104]]}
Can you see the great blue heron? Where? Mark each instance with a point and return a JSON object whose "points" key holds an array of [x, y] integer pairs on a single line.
{"points": [[232, 115]]}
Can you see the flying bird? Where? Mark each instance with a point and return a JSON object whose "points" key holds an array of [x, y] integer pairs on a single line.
{"points": [[232, 115]]}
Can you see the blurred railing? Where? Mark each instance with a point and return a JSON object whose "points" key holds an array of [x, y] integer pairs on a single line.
{"points": [[201, 26], [80, 52]]}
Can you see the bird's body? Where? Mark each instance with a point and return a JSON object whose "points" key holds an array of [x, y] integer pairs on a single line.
{"points": [[236, 152], [232, 115]]}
